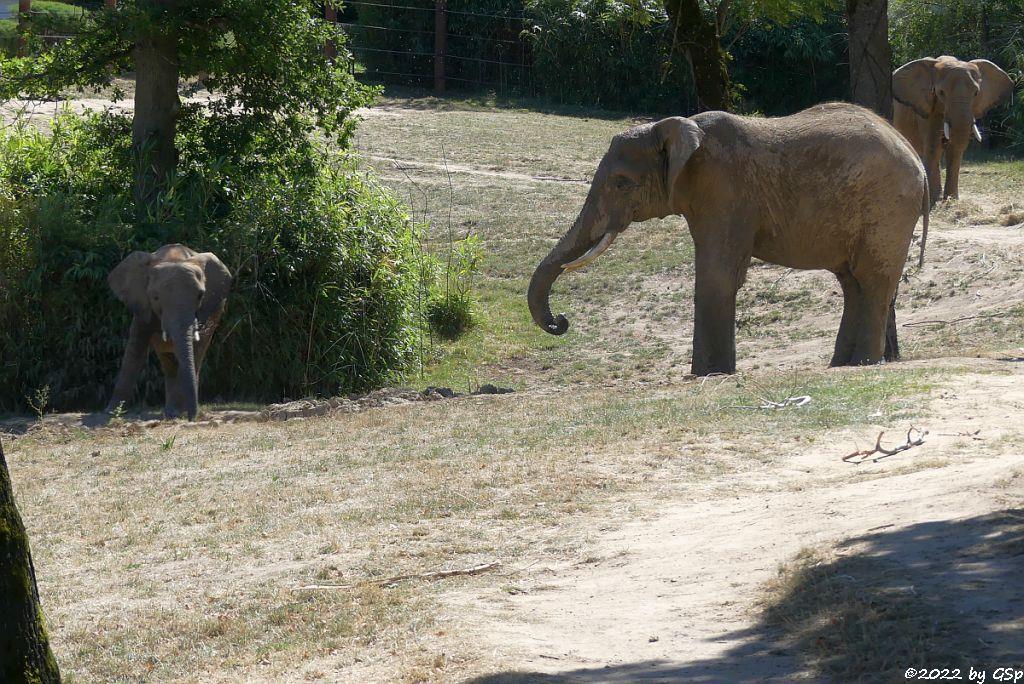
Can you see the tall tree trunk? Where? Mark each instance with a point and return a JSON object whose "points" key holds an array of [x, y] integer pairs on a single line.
{"points": [[696, 37], [156, 109], [871, 87], [25, 654], [870, 55]]}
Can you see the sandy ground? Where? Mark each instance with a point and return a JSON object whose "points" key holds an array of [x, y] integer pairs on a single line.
{"points": [[674, 601]]}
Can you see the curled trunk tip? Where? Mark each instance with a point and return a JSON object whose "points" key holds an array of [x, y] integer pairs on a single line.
{"points": [[558, 325]]}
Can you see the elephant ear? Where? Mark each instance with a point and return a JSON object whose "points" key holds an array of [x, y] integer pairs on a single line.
{"points": [[913, 84], [677, 139], [129, 281], [995, 85], [218, 284]]}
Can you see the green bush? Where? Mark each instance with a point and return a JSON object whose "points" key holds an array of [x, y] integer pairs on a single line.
{"points": [[609, 54], [783, 69], [452, 309], [326, 264]]}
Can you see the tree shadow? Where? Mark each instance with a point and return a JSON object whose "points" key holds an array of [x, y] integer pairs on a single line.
{"points": [[940, 594]]}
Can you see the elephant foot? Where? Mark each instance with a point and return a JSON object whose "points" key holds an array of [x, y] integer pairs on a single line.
{"points": [[702, 370]]}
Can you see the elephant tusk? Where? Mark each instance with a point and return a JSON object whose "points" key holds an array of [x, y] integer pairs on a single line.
{"points": [[945, 130], [595, 251], [977, 133], [195, 328], [164, 335]]}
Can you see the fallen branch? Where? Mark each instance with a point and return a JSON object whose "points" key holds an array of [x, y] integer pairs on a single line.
{"points": [[940, 322], [866, 454], [436, 575], [785, 403]]}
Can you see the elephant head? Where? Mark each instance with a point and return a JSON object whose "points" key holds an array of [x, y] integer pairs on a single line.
{"points": [[174, 291], [635, 181], [959, 92]]}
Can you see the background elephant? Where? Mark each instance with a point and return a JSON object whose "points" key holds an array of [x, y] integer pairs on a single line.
{"points": [[945, 96], [176, 297], [833, 187]]}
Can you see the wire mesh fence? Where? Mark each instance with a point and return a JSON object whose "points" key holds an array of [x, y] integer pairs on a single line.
{"points": [[424, 43]]}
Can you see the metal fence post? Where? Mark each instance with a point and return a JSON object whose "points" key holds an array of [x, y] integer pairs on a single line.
{"points": [[440, 43], [331, 16], [24, 9]]}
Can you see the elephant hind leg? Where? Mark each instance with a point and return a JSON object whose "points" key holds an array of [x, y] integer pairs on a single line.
{"points": [[846, 340], [877, 294]]}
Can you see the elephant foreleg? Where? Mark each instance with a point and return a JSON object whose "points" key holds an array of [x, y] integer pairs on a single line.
{"points": [[714, 324], [132, 362]]}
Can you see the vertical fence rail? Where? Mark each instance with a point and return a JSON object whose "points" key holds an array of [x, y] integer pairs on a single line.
{"points": [[440, 44], [24, 14], [330, 15]]}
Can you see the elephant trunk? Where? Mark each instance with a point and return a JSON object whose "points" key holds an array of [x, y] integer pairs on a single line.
{"points": [[959, 129], [184, 349], [577, 248]]}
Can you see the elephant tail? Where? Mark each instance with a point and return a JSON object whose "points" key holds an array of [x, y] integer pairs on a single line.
{"points": [[926, 207]]}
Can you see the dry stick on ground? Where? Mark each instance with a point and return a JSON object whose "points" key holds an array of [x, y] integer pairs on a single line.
{"points": [[439, 574], [954, 321], [865, 455]]}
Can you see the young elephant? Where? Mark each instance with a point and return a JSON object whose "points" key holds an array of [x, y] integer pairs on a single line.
{"points": [[176, 297], [833, 187], [943, 97]]}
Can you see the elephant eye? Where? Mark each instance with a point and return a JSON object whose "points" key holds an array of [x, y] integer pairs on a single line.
{"points": [[623, 183]]}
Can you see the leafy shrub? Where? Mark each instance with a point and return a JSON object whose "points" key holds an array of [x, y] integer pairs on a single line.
{"points": [[608, 53], [451, 314], [326, 290], [783, 69], [452, 308]]}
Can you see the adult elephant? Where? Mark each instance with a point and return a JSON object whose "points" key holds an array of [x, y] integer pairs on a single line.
{"points": [[834, 187], [944, 97], [176, 297]]}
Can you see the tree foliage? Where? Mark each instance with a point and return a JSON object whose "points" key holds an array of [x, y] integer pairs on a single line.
{"points": [[264, 58]]}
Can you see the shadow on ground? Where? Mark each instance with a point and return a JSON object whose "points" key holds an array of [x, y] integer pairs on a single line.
{"points": [[935, 594]]}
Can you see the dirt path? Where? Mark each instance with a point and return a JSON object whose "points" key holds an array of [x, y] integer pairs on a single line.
{"points": [[675, 598]]}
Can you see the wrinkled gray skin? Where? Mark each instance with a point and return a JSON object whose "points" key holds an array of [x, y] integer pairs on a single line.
{"points": [[934, 95], [833, 187], [175, 295]]}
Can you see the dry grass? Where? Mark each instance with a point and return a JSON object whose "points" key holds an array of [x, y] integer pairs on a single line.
{"points": [[186, 556]]}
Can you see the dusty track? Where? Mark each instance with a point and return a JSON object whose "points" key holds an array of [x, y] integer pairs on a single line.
{"points": [[674, 599]]}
